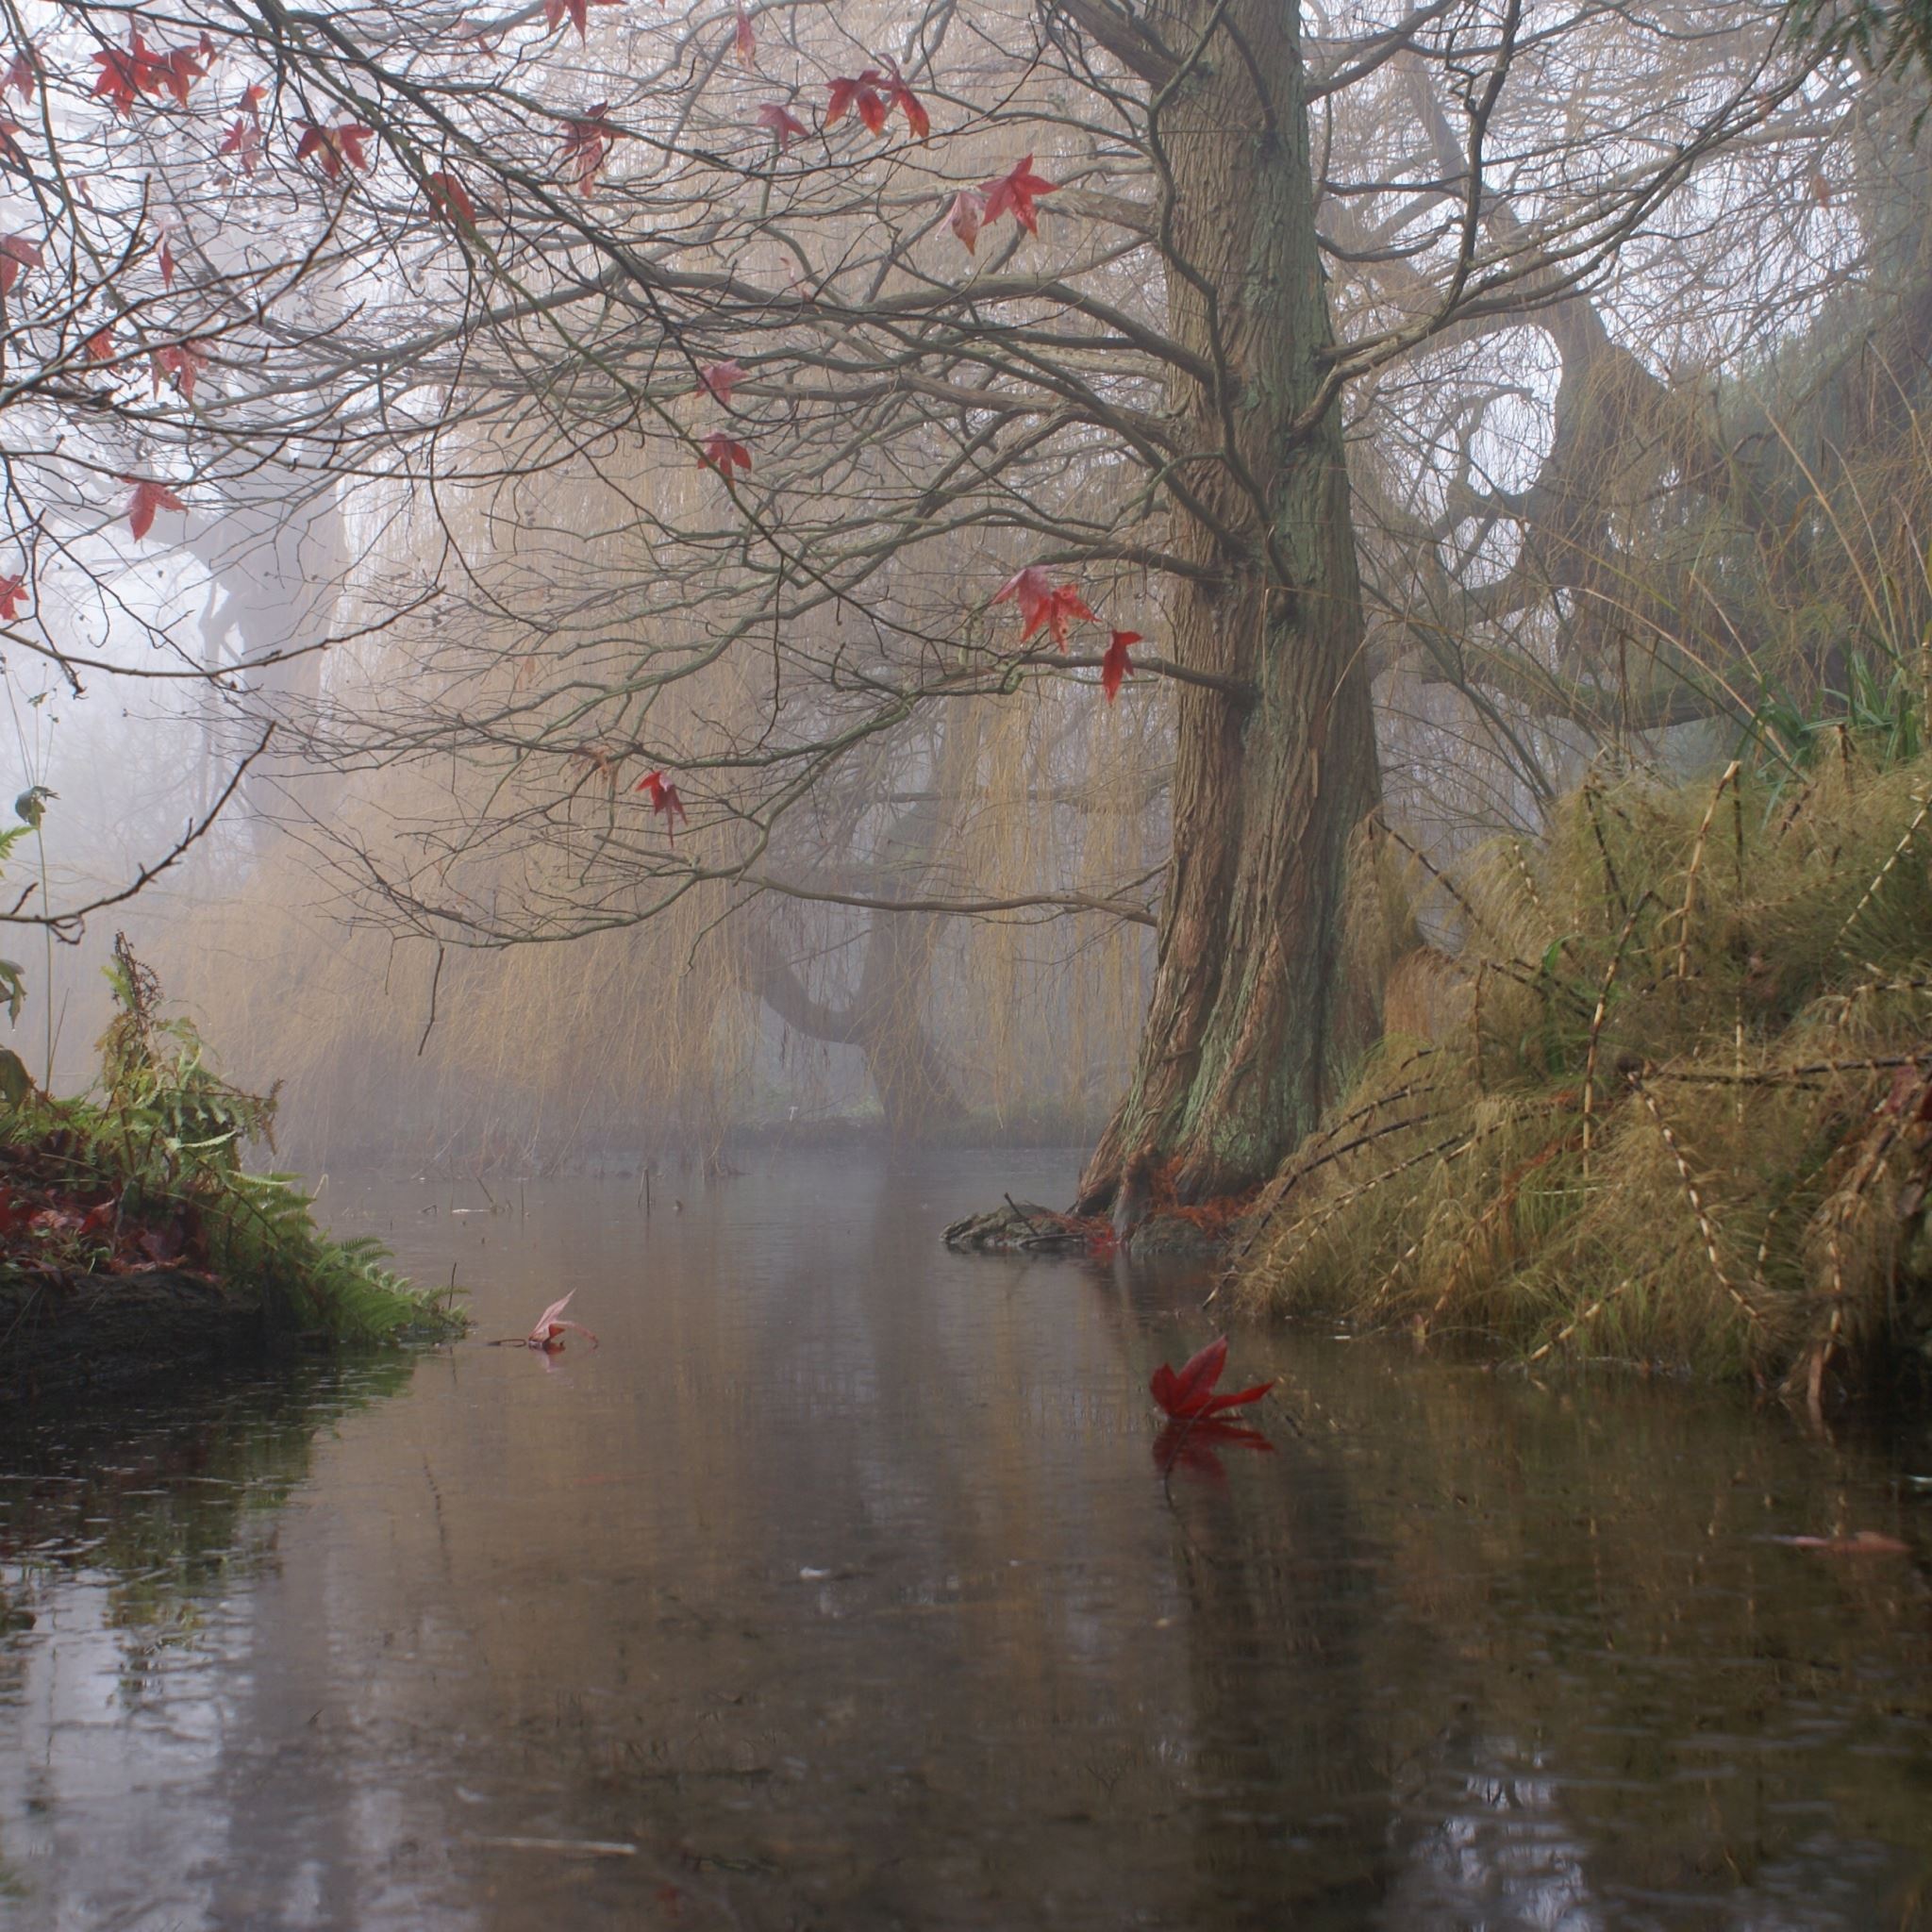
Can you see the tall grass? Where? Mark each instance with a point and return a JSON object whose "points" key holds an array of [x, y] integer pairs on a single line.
{"points": [[1673, 1102]]}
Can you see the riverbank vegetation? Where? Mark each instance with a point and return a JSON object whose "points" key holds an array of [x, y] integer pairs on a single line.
{"points": [[741, 631], [132, 1235], [1673, 1100]]}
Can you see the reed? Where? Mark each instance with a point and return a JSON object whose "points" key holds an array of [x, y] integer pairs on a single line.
{"points": [[1687, 1122]]}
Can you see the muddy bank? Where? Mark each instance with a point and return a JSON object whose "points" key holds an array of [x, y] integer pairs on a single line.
{"points": [[65, 1332]]}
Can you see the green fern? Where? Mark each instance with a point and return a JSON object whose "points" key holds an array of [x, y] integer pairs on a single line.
{"points": [[165, 1137]]}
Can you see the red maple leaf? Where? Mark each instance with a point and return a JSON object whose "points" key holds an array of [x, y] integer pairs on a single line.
{"points": [[22, 75], [1116, 664], [721, 378], [721, 452], [1191, 1393], [167, 262], [664, 800], [586, 140], [243, 140], [1015, 190], [860, 92], [17, 254], [451, 199], [149, 496], [180, 362], [901, 96], [1043, 603], [124, 76], [12, 590], [332, 147], [252, 98], [100, 345], [11, 150], [176, 72], [968, 217], [744, 44], [557, 12], [779, 120]]}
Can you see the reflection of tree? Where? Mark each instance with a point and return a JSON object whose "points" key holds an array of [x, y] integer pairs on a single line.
{"points": [[1288, 1804], [158, 1510], [1461, 1653]]}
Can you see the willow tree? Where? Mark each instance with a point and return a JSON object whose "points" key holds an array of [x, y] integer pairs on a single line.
{"points": [[916, 356], [1274, 767]]}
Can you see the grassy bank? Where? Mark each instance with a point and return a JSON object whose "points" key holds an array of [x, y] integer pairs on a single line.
{"points": [[133, 1235], [1672, 1101]]}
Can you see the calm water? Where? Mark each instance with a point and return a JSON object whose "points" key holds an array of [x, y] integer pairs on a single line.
{"points": [[842, 1589]]}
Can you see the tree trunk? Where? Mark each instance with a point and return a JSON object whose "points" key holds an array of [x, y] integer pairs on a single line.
{"points": [[1250, 1017]]}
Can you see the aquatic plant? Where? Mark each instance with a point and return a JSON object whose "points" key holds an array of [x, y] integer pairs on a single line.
{"points": [[1671, 1101]]}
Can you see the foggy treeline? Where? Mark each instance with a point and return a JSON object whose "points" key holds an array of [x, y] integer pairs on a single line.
{"points": [[1631, 311]]}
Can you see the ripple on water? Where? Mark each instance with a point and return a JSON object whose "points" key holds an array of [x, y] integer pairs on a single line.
{"points": [[839, 1587]]}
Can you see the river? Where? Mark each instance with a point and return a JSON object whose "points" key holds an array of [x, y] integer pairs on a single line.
{"points": [[844, 1587]]}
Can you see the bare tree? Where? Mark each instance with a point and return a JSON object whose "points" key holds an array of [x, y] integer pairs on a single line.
{"points": [[731, 394]]}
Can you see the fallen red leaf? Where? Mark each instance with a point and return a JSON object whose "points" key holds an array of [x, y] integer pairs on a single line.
{"points": [[1190, 1393], [162, 1245], [550, 1327]]}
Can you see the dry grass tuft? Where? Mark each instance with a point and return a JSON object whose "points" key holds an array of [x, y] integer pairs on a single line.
{"points": [[1679, 1109]]}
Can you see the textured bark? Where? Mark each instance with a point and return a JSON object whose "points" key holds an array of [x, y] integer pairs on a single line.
{"points": [[1250, 1021]]}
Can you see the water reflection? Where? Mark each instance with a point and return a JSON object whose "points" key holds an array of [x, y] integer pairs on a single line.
{"points": [[841, 1586]]}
